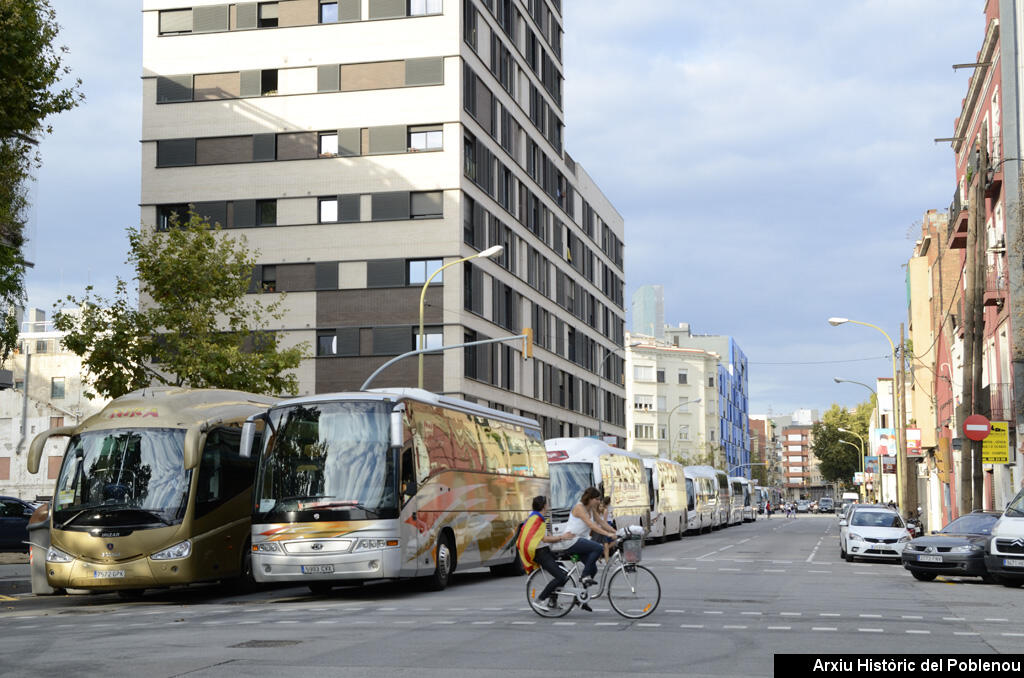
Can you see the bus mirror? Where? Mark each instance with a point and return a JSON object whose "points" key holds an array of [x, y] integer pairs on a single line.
{"points": [[35, 449], [248, 437], [397, 428]]}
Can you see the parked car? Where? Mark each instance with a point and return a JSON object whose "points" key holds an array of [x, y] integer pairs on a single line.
{"points": [[14, 515], [1005, 559], [872, 531], [803, 506], [958, 549], [826, 505]]}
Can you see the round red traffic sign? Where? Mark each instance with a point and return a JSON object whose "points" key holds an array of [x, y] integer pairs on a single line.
{"points": [[977, 427]]}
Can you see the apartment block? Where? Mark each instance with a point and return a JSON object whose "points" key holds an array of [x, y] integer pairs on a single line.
{"points": [[796, 441], [672, 401], [360, 145]]}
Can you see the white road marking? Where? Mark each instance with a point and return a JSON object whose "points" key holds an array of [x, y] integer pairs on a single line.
{"points": [[713, 612], [283, 621], [828, 614], [824, 628], [911, 616], [1015, 635], [729, 569], [606, 624], [727, 626], [953, 619], [791, 614], [755, 614], [918, 631], [392, 609], [656, 624], [492, 609], [871, 630], [774, 570], [565, 623], [996, 619], [252, 621], [965, 633], [726, 547], [779, 628], [448, 621], [483, 623], [870, 616], [691, 626], [706, 555]]}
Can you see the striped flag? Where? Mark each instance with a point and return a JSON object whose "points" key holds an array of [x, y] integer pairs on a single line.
{"points": [[529, 538]]}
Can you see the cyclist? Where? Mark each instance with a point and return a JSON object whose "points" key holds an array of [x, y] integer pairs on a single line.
{"points": [[533, 549], [581, 523], [603, 517]]}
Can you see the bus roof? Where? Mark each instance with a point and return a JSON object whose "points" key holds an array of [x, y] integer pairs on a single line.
{"points": [[699, 471], [175, 407], [583, 449], [739, 479], [418, 395]]}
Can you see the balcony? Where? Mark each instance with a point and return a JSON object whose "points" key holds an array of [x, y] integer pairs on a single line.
{"points": [[997, 286], [956, 229], [1001, 402], [994, 181]]}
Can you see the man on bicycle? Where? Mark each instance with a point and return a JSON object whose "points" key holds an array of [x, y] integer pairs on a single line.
{"points": [[533, 550]]}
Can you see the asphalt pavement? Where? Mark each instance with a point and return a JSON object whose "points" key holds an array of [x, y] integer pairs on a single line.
{"points": [[730, 600]]}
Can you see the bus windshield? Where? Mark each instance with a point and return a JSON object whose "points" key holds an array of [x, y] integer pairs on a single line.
{"points": [[123, 477], [568, 480], [332, 456]]}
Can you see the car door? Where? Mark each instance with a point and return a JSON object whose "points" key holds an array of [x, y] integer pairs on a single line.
{"points": [[13, 524]]}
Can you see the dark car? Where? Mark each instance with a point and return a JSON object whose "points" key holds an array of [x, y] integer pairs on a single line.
{"points": [[14, 515], [826, 505], [958, 549]]}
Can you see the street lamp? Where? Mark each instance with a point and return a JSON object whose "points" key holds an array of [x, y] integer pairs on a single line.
{"points": [[897, 425], [671, 412], [863, 455], [873, 392], [488, 253]]}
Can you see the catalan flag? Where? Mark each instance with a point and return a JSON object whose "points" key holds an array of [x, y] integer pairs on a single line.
{"points": [[532, 532]]}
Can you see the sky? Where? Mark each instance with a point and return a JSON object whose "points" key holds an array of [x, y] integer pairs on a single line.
{"points": [[771, 159]]}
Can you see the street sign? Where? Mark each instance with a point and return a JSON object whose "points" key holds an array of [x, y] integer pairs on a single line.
{"points": [[914, 443], [995, 449], [976, 427]]}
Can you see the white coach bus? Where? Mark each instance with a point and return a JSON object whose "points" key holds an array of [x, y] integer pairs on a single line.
{"points": [[705, 476], [666, 489]]}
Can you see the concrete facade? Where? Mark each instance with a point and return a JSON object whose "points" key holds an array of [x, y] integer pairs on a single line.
{"points": [[360, 145]]}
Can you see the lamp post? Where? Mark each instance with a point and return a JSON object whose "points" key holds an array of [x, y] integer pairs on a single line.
{"points": [[604, 366], [488, 253], [671, 412], [897, 419], [873, 392], [863, 455]]}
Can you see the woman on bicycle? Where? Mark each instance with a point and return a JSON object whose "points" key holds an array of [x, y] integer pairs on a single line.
{"points": [[581, 523]]}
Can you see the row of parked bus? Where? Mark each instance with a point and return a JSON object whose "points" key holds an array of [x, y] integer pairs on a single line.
{"points": [[169, 486]]}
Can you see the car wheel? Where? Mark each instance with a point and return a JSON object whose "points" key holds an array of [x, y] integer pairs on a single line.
{"points": [[923, 576], [988, 579], [1011, 583], [842, 551], [849, 557]]}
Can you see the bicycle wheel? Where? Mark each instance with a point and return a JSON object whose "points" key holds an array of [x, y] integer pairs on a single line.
{"points": [[634, 591], [564, 601]]}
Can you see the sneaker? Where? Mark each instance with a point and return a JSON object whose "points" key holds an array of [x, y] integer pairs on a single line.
{"points": [[551, 603], [585, 606], [588, 582]]}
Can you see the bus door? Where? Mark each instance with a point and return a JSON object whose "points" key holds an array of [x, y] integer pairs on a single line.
{"points": [[412, 529]]}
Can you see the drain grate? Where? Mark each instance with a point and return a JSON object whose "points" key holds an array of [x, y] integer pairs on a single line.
{"points": [[267, 643]]}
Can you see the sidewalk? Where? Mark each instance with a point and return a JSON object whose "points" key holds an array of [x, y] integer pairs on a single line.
{"points": [[14, 574]]}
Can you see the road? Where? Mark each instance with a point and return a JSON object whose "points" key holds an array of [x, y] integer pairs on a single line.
{"points": [[731, 599]]}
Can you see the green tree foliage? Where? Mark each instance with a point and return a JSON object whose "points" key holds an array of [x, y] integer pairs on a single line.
{"points": [[195, 326], [30, 92], [838, 460]]}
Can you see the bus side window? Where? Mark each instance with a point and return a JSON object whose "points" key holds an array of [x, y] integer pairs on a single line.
{"points": [[223, 473], [408, 476]]}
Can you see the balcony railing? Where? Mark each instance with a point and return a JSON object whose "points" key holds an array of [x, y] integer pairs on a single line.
{"points": [[1001, 402], [996, 286]]}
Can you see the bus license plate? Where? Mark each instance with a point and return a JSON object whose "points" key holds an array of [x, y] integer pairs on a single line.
{"points": [[930, 559], [1013, 562], [317, 569], [108, 574]]}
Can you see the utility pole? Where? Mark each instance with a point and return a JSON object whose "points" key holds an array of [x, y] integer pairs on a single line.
{"points": [[908, 498], [981, 405], [965, 496]]}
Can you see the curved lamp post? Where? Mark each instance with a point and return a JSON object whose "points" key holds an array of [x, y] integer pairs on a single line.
{"points": [[863, 454], [488, 253], [671, 412], [839, 380], [897, 419]]}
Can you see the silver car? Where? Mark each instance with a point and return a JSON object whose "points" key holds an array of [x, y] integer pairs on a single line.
{"points": [[872, 532]]}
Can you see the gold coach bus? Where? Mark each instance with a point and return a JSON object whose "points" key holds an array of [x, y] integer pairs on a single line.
{"points": [[152, 492], [390, 483]]}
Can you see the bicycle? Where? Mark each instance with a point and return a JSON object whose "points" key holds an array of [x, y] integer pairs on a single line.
{"points": [[633, 590]]}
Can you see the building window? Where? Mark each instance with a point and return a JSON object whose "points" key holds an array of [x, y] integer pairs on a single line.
{"points": [[268, 81], [328, 144], [643, 431], [175, 21], [328, 12], [426, 140], [424, 7], [42, 346], [168, 215], [266, 212], [662, 432], [661, 376], [267, 18], [268, 283], [328, 210], [643, 373], [433, 337], [426, 205], [684, 432], [421, 270], [661, 404], [711, 382], [56, 422], [682, 376], [57, 388], [326, 343], [642, 402]]}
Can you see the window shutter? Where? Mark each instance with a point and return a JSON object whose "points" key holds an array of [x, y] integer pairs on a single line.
{"points": [[297, 146], [173, 88], [245, 15], [251, 83], [255, 279], [326, 275], [297, 13], [348, 341], [391, 340], [424, 71], [385, 273], [214, 212], [176, 21], [390, 206], [218, 150], [348, 208], [264, 147], [426, 204], [349, 141], [210, 18], [244, 214], [387, 9], [328, 78], [390, 139], [348, 10], [175, 152]]}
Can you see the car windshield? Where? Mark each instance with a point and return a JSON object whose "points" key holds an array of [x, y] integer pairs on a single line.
{"points": [[128, 475], [328, 456], [1016, 507], [568, 480], [876, 519], [980, 523]]}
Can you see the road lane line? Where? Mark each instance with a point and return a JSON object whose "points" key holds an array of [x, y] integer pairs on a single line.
{"points": [[706, 555], [791, 614], [870, 616], [605, 624], [729, 569], [911, 616], [965, 633], [918, 631], [755, 614], [565, 623], [871, 630], [780, 628], [727, 626], [653, 624], [828, 614], [1015, 635], [996, 619], [953, 619], [691, 626], [483, 623], [773, 570], [824, 628], [713, 612]]}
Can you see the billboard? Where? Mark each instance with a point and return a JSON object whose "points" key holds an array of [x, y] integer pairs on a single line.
{"points": [[995, 448], [914, 443]]}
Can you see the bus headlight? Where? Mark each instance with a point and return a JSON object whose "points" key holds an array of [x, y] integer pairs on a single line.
{"points": [[266, 547], [55, 555], [374, 544], [176, 552]]}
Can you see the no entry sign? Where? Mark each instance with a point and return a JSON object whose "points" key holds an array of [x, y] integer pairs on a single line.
{"points": [[977, 427]]}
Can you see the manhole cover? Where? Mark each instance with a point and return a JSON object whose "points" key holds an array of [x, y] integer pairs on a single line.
{"points": [[267, 643]]}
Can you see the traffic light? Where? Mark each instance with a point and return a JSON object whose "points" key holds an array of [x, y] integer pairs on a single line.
{"points": [[528, 343]]}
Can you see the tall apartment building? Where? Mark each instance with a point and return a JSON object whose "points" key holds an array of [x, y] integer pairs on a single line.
{"points": [[733, 386], [648, 311], [359, 145], [796, 439], [672, 401]]}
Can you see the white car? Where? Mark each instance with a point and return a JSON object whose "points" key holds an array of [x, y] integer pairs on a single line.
{"points": [[1005, 557], [872, 532]]}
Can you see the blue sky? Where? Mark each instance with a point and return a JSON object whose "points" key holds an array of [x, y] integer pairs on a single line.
{"points": [[772, 161]]}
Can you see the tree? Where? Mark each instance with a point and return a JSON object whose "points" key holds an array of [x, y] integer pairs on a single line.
{"points": [[195, 326], [838, 453], [29, 93]]}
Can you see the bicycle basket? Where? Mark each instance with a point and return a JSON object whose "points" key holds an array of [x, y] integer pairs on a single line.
{"points": [[631, 549]]}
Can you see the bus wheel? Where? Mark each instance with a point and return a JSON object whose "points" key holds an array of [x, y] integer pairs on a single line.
{"points": [[513, 569], [444, 563], [320, 588], [131, 594]]}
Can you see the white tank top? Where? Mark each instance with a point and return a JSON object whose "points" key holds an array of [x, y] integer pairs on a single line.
{"points": [[577, 527]]}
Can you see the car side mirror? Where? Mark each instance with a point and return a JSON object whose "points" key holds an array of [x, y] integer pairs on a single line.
{"points": [[842, 523]]}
